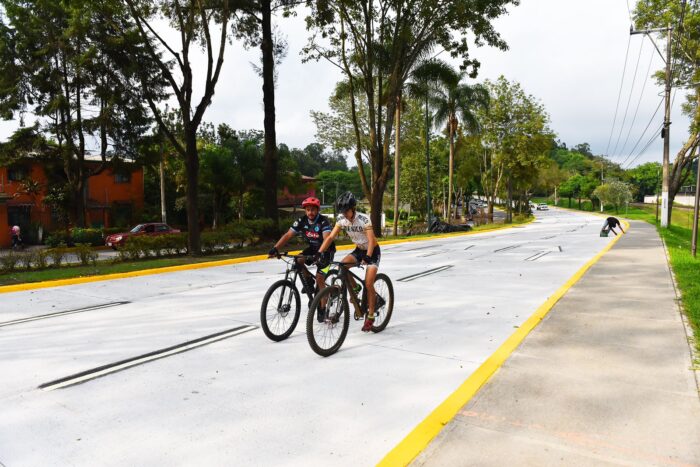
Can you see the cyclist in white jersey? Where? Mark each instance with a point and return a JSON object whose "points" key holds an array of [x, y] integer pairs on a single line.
{"points": [[358, 226]]}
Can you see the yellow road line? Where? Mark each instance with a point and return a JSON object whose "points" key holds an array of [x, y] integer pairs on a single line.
{"points": [[430, 427], [207, 264]]}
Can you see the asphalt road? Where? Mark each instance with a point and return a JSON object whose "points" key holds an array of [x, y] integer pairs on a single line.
{"points": [[244, 399]]}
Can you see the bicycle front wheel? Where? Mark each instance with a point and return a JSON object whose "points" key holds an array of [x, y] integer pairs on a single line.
{"points": [[384, 302], [326, 331], [279, 313]]}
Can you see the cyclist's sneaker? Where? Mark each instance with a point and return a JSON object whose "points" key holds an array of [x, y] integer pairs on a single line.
{"points": [[380, 302], [369, 322], [320, 314]]}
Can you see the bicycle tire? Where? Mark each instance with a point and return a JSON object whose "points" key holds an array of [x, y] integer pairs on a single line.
{"points": [[388, 308], [295, 311], [339, 315]]}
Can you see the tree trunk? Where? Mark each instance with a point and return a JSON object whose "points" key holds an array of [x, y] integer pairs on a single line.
{"points": [[268, 71], [192, 165], [450, 171], [397, 153], [376, 207]]}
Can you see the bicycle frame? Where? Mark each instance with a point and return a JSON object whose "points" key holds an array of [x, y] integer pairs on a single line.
{"points": [[343, 271], [294, 269]]}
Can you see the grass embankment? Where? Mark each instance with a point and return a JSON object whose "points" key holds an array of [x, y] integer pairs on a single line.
{"points": [[105, 267], [677, 238], [687, 272]]}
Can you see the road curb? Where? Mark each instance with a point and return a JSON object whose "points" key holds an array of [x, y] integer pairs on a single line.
{"points": [[419, 438], [211, 264]]}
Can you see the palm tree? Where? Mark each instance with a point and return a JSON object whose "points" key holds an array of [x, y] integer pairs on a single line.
{"points": [[424, 79], [454, 103]]}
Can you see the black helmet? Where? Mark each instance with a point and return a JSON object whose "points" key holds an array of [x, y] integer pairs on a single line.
{"points": [[345, 201]]}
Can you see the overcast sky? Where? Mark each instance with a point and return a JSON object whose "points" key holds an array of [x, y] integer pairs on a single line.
{"points": [[567, 53]]}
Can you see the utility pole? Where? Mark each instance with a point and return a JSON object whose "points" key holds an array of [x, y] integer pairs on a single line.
{"points": [[666, 131], [163, 214], [657, 196]]}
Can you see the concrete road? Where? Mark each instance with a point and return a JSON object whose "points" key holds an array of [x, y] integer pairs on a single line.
{"points": [[245, 399]]}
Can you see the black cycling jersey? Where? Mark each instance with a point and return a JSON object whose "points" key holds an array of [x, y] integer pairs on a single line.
{"points": [[312, 231]]}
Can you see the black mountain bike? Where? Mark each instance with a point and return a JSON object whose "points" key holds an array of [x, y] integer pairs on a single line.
{"points": [[281, 306], [326, 335]]}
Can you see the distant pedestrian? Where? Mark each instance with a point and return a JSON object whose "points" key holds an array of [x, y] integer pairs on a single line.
{"points": [[611, 223], [16, 237]]}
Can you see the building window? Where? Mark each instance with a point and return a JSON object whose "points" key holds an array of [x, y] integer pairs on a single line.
{"points": [[16, 174], [19, 215], [123, 177]]}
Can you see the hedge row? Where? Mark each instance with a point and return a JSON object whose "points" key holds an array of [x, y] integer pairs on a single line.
{"points": [[45, 258], [244, 231]]}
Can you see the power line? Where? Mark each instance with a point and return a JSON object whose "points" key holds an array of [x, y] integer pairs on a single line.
{"points": [[651, 140], [641, 94], [644, 132], [629, 99], [619, 94]]}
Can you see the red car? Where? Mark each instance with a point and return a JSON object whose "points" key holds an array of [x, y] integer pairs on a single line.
{"points": [[156, 228]]}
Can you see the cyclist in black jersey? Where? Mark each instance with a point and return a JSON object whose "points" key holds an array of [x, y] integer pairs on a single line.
{"points": [[314, 228]]}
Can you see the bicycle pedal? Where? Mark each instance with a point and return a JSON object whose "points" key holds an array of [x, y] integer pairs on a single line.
{"points": [[358, 316]]}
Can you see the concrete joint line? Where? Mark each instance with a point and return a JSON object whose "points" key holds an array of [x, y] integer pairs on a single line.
{"points": [[121, 365], [537, 256], [511, 247], [62, 313], [425, 273]]}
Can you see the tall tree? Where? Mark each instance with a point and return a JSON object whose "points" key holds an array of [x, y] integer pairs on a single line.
{"points": [[517, 135], [255, 27], [455, 103], [376, 44], [56, 59], [193, 21]]}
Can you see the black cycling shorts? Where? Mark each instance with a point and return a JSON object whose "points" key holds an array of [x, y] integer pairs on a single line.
{"points": [[311, 251], [359, 254]]}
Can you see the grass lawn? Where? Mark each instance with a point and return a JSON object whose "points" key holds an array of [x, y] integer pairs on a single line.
{"points": [[110, 267], [687, 272]]}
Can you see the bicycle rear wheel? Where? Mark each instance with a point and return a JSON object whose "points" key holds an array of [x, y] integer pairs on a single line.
{"points": [[327, 336], [279, 313], [384, 302]]}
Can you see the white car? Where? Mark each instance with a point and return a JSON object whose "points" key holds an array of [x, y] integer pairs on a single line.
{"points": [[542, 207]]}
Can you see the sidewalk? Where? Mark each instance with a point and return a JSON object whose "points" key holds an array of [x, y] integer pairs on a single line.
{"points": [[605, 379]]}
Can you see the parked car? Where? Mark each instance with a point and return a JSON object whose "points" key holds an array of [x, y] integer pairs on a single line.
{"points": [[542, 207], [151, 229]]}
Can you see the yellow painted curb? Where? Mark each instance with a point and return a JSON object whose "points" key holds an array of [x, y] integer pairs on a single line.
{"points": [[208, 264], [430, 427]]}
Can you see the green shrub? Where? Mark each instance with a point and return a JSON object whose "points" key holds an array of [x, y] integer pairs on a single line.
{"points": [[86, 254], [27, 259], [57, 255], [55, 239], [8, 262], [92, 237], [41, 259], [212, 242]]}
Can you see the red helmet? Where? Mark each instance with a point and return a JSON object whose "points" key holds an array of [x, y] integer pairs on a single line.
{"points": [[311, 201]]}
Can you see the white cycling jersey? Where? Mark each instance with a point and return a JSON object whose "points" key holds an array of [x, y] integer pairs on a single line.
{"points": [[356, 229]]}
